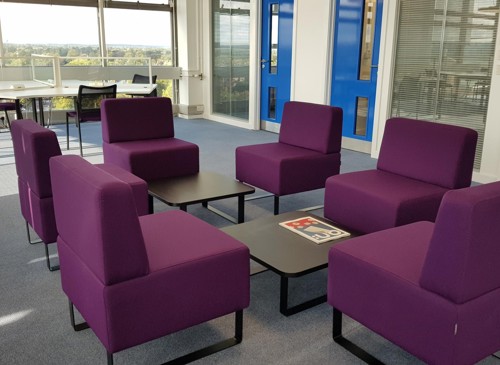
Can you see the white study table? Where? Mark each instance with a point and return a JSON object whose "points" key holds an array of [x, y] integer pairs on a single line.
{"points": [[36, 91]]}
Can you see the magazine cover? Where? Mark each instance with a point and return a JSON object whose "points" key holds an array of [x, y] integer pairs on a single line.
{"points": [[314, 230]]}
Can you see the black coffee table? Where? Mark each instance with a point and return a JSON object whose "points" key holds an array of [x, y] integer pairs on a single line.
{"points": [[284, 252], [201, 188]]}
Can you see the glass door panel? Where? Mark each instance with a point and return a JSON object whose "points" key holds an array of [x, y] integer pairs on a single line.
{"points": [[276, 55]]}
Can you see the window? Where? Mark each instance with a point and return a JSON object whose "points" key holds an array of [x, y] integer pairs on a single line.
{"points": [[70, 28], [444, 62], [80, 35], [150, 36], [230, 57]]}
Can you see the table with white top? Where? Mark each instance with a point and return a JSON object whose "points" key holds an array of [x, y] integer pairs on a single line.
{"points": [[36, 91]]}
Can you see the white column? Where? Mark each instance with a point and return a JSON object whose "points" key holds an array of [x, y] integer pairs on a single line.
{"points": [[189, 40]]}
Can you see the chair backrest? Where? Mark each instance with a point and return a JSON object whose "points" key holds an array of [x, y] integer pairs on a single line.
{"points": [[313, 126], [33, 146], [88, 101], [132, 119], [142, 79], [96, 217], [431, 152], [463, 259]]}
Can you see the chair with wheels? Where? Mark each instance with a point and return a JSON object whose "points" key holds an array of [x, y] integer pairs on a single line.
{"points": [[135, 279], [419, 161], [307, 153], [432, 289], [141, 79], [88, 107]]}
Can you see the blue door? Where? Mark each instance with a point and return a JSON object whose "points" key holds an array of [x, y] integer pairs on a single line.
{"points": [[355, 62], [276, 58]]}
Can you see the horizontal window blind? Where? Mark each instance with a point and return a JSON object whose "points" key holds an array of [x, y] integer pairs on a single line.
{"points": [[164, 5], [444, 61]]}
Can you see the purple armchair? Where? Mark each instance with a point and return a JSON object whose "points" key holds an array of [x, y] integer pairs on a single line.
{"points": [[419, 161], [33, 146], [138, 135], [135, 279], [307, 153], [431, 288]]}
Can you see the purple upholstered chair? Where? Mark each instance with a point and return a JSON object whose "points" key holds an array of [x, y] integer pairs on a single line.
{"points": [[33, 146], [135, 279], [419, 161], [307, 153], [138, 135], [431, 288]]}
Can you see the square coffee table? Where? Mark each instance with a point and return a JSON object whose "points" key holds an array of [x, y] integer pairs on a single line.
{"points": [[284, 252], [201, 188]]}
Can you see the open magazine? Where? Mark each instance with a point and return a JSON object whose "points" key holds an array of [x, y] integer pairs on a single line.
{"points": [[314, 229]]}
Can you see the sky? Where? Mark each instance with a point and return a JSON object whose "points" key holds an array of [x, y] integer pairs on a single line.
{"points": [[78, 25]]}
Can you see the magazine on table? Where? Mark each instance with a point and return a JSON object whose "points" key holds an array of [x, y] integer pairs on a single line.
{"points": [[314, 229]]}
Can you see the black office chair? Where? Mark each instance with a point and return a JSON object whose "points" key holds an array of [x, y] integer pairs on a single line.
{"points": [[88, 107], [6, 106], [141, 79]]}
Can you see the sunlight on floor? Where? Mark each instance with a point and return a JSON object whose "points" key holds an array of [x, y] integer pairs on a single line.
{"points": [[14, 317]]}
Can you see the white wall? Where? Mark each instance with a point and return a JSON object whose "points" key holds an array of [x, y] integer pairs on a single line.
{"points": [[190, 20], [490, 163], [312, 43]]}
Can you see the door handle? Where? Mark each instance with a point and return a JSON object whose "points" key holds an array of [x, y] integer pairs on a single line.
{"points": [[374, 66]]}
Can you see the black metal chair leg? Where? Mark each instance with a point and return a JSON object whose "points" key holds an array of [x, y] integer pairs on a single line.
{"points": [[67, 132], [47, 257], [196, 355], [348, 345], [80, 138], [29, 236], [79, 326], [110, 358]]}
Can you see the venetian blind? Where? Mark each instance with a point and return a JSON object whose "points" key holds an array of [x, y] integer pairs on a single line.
{"points": [[444, 61], [160, 5]]}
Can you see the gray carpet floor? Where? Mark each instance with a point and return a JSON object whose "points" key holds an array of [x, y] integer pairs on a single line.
{"points": [[34, 320]]}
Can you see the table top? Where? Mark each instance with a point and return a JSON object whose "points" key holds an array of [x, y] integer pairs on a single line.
{"points": [[33, 89], [201, 187], [281, 250]]}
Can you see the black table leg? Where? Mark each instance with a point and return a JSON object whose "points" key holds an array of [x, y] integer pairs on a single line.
{"points": [[34, 107], [241, 208], [288, 311], [151, 207], [183, 207], [42, 116], [19, 113]]}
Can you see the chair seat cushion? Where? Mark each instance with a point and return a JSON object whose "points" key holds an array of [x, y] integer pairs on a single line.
{"points": [[372, 200], [197, 273], [284, 169], [154, 158], [380, 289], [374, 279]]}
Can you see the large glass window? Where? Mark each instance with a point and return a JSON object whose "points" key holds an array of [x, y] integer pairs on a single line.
{"points": [[150, 37], [53, 30], [230, 57], [131, 29], [444, 62]]}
